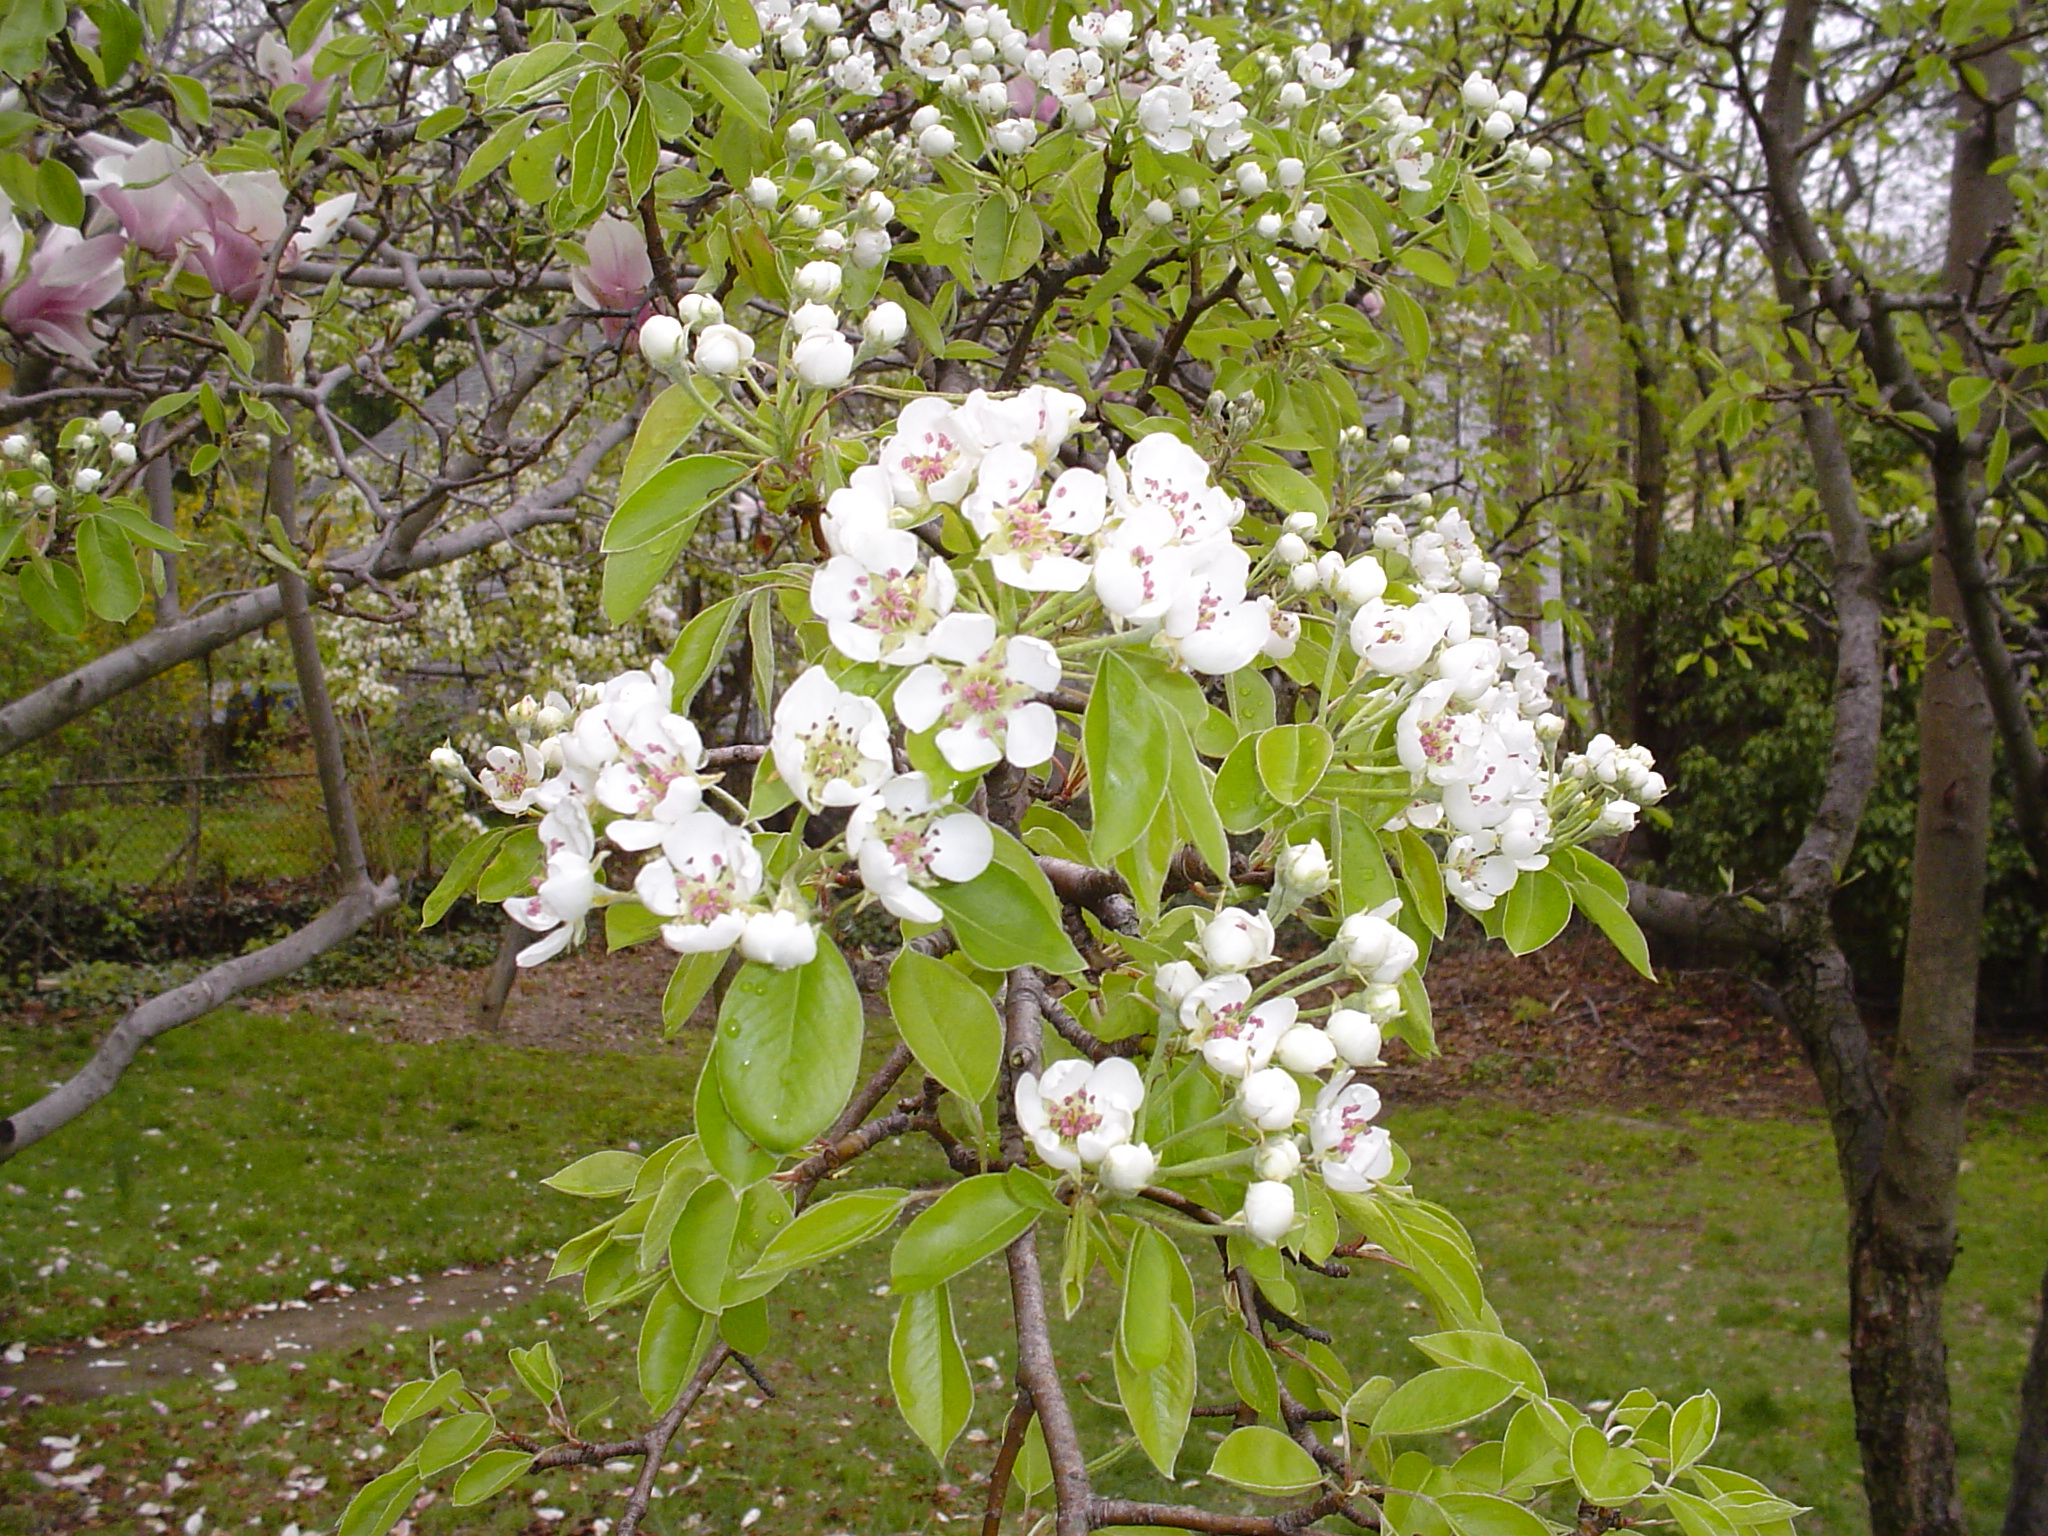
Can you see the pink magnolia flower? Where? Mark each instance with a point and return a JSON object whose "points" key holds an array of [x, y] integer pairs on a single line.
{"points": [[619, 272], [276, 63], [69, 277]]}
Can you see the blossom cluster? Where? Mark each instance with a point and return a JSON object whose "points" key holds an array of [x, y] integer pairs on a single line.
{"points": [[38, 485], [1269, 1052]]}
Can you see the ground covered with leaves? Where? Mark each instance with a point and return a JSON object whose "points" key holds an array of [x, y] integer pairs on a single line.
{"points": [[1643, 1169]]}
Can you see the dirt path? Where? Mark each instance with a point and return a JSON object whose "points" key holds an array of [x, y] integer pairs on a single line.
{"points": [[139, 1362]]}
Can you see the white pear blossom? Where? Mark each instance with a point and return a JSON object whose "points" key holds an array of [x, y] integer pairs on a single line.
{"points": [[1269, 1099], [1031, 535], [704, 882], [831, 746], [1354, 1154], [1305, 1049], [1076, 1113], [878, 602], [984, 699], [1234, 1038], [1356, 1036], [1375, 948], [823, 359], [566, 889], [902, 839]]}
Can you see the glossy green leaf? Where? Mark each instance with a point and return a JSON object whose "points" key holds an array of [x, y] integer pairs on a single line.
{"points": [[1292, 760], [1001, 923], [673, 497], [928, 1370], [687, 984], [789, 1047], [970, 1221], [106, 559], [537, 1368], [948, 1022], [674, 1338], [705, 642], [1613, 919], [1156, 1289], [1158, 1398], [1127, 745], [462, 873], [1264, 1461], [700, 1247], [380, 1502], [417, 1398], [1537, 907], [453, 1440], [1606, 1474], [727, 1148], [831, 1227], [1241, 797], [1489, 1352], [1424, 878], [1695, 1425], [1441, 1399], [599, 1174], [733, 84], [1486, 1514], [492, 1472], [674, 414]]}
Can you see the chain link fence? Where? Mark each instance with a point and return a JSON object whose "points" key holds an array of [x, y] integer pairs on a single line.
{"points": [[154, 866]]}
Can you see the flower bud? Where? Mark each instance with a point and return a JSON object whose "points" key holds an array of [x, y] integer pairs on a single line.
{"points": [[823, 359], [1174, 981], [695, 309], [763, 193], [1355, 1036], [1128, 1167], [1515, 104], [1268, 1211], [1189, 197], [779, 938], [1375, 948], [44, 495], [1293, 96], [1329, 135], [1278, 1160], [723, 350], [936, 142], [86, 480], [1479, 94], [806, 318], [1237, 940], [1159, 211], [800, 135], [1363, 580], [1268, 226], [1539, 160], [1303, 523], [860, 171], [15, 446], [1305, 1049], [449, 761], [661, 341], [1269, 1099], [124, 454], [1290, 172], [1303, 869], [1291, 548], [1251, 179], [1398, 445], [885, 325], [1305, 577], [1497, 126], [819, 280], [923, 118]]}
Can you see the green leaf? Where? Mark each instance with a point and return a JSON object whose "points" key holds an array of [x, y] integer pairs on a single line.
{"points": [[727, 1148], [674, 415], [490, 1473], [627, 923], [462, 874], [1538, 906], [1157, 1288], [417, 1398], [537, 1368], [831, 1227], [1429, 266], [58, 191], [674, 1337], [1424, 878], [1485, 1514], [1441, 1399], [692, 978], [512, 868], [1286, 488], [1695, 1516], [1612, 918], [599, 1175], [494, 150], [1292, 760], [1241, 798], [376, 1508], [789, 1047], [1488, 1351], [1158, 1398], [734, 84], [949, 1023], [1265, 1461], [1695, 1424], [928, 1370], [701, 646], [453, 1440], [1001, 923], [670, 501], [700, 1247], [1606, 1474], [970, 1221], [1127, 745], [113, 584]]}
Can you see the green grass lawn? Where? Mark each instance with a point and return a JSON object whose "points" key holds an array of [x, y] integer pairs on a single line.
{"points": [[248, 1156]]}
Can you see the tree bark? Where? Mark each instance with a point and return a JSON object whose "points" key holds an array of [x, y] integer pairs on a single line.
{"points": [[490, 1004], [1635, 640], [2026, 1505]]}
